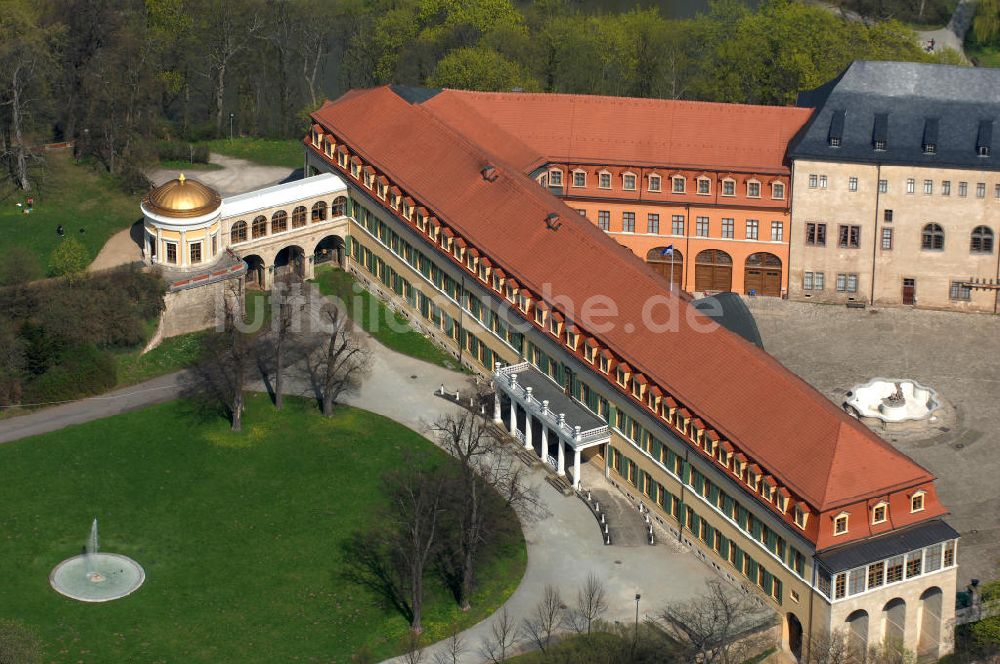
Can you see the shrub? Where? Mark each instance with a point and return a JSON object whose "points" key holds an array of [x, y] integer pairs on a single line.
{"points": [[80, 371], [69, 259], [181, 151]]}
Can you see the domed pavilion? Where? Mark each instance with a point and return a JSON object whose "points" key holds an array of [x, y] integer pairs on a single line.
{"points": [[182, 219]]}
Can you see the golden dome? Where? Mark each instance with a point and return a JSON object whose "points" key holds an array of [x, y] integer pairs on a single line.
{"points": [[182, 197]]}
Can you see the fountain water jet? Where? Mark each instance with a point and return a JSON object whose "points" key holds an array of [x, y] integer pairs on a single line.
{"points": [[94, 576]]}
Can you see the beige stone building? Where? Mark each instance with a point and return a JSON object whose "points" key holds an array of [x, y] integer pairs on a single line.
{"points": [[896, 189]]}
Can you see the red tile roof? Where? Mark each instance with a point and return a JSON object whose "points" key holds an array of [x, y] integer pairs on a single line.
{"points": [[527, 129], [808, 443]]}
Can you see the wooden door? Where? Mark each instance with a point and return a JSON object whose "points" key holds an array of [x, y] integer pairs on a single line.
{"points": [[909, 291]]}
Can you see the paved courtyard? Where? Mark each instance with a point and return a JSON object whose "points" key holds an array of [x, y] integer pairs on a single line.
{"points": [[835, 348]]}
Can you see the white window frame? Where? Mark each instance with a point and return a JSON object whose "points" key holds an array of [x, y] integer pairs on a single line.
{"points": [[600, 178], [625, 176], [555, 172], [575, 172], [775, 187], [885, 515], [728, 181], [698, 186], [750, 183], [659, 183]]}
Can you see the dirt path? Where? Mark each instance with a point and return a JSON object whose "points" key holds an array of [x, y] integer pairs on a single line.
{"points": [[235, 177]]}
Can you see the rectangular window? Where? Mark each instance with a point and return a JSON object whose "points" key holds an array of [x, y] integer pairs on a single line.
{"points": [[679, 185], [849, 237], [628, 182], [753, 189], [677, 224], [963, 189], [728, 227], [653, 223], [946, 187], [807, 281], [980, 190], [911, 185], [171, 252], [604, 220], [704, 186], [959, 291], [876, 575], [996, 191], [949, 553], [852, 283], [852, 184], [822, 182], [932, 558], [887, 216], [628, 222], [857, 584], [729, 187], [914, 561], [604, 180], [654, 182], [195, 252], [841, 283], [778, 190], [752, 229], [883, 186], [840, 586], [579, 179], [816, 234], [701, 226], [777, 231], [818, 281], [894, 570], [813, 181], [886, 239], [928, 187], [555, 178]]}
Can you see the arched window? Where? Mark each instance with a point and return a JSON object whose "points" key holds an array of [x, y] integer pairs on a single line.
{"points": [[279, 222], [319, 211], [299, 217], [982, 240], [339, 207], [259, 227], [932, 238], [238, 233]]}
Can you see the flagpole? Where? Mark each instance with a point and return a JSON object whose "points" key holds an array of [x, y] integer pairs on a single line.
{"points": [[671, 271]]}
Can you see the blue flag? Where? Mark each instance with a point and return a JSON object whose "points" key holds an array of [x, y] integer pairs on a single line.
{"points": [[669, 250]]}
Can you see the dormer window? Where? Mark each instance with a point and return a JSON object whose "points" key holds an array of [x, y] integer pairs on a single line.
{"points": [[880, 513], [753, 477], [498, 279], [604, 361], [590, 350], [622, 374], [604, 180], [628, 181], [984, 138], [801, 516], [753, 189], [704, 186], [317, 136], [728, 187], [836, 129], [556, 324], [679, 184], [510, 291], [356, 168], [541, 314], [917, 502], [572, 337], [880, 132], [783, 497], [840, 524], [555, 178], [579, 178], [638, 386], [778, 190], [654, 183]]}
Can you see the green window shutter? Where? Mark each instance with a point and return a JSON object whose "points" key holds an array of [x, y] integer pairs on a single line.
{"points": [[777, 590], [723, 546], [756, 528], [685, 472], [768, 579]]}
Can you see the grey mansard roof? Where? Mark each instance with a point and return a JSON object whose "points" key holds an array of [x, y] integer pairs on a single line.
{"points": [[908, 105]]}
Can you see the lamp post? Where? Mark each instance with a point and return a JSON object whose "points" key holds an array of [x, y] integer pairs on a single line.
{"points": [[231, 115], [635, 640]]}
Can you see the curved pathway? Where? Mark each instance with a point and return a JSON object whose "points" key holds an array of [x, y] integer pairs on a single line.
{"points": [[564, 547]]}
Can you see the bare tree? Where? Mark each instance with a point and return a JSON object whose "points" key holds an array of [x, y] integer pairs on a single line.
{"points": [[719, 627], [591, 605], [546, 619], [454, 648], [285, 325], [484, 471], [416, 498], [413, 650], [221, 375], [828, 649], [340, 363], [497, 647], [231, 27]]}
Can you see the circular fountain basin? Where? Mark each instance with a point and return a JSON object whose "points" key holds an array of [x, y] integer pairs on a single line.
{"points": [[97, 577], [875, 399]]}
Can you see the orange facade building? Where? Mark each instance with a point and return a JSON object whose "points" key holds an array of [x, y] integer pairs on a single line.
{"points": [[709, 180]]}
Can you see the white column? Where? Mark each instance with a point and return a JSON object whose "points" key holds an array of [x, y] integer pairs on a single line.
{"points": [[145, 247], [576, 469], [497, 418], [561, 458], [527, 429], [182, 249], [544, 451], [513, 417]]}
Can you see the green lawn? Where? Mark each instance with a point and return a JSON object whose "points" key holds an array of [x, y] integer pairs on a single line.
{"points": [[76, 196], [372, 315], [264, 151], [239, 535], [172, 354], [984, 55]]}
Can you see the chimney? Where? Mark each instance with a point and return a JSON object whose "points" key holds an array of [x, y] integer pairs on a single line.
{"points": [[490, 173], [552, 221]]}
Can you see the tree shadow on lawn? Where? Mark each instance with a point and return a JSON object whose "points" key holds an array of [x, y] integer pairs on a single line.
{"points": [[367, 565]]}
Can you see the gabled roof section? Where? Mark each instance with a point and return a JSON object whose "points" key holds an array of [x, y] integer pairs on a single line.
{"points": [[898, 100], [592, 129], [741, 391]]}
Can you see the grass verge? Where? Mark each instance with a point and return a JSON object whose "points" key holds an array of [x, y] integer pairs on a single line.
{"points": [[239, 535], [386, 326], [263, 151]]}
